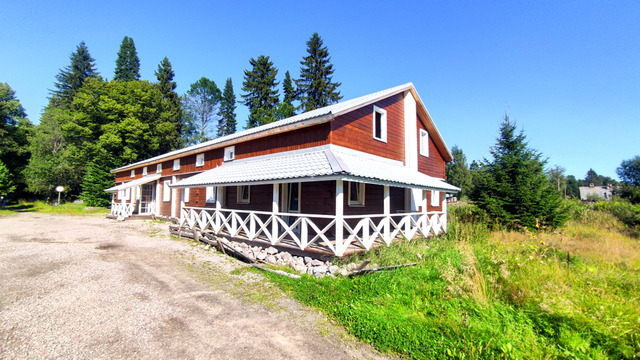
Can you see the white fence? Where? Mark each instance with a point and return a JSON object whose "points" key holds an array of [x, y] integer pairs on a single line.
{"points": [[307, 229], [120, 209]]}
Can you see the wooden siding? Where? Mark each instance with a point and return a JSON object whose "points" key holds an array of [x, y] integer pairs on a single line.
{"points": [[260, 198], [293, 140], [435, 208], [354, 130], [434, 164]]}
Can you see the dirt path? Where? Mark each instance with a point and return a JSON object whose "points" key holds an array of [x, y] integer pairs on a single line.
{"points": [[88, 287]]}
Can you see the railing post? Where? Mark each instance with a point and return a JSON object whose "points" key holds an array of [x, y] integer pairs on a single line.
{"points": [[387, 213], [252, 226], [339, 217], [275, 206], [217, 214], [304, 233], [365, 230]]}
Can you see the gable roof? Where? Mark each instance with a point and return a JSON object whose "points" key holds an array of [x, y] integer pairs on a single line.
{"points": [[309, 118]]}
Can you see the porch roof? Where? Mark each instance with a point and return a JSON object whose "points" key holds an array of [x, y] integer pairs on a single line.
{"points": [[316, 164], [132, 183]]}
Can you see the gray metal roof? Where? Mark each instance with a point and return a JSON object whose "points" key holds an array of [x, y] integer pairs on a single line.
{"points": [[331, 110], [592, 193], [323, 163]]}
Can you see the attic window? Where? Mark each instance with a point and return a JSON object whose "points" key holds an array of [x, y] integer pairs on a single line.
{"points": [[424, 143], [133, 173], [200, 160], [356, 193], [176, 164], [144, 171], [229, 153], [379, 124], [159, 168]]}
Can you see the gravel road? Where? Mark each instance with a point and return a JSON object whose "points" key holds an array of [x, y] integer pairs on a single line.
{"points": [[85, 287]]}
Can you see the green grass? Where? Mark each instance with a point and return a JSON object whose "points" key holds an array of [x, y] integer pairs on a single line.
{"points": [[64, 209], [479, 294]]}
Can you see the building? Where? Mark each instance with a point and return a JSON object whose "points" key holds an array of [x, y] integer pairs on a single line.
{"points": [[335, 180], [596, 193]]}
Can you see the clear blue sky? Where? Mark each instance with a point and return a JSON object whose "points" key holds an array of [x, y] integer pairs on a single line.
{"points": [[567, 71]]}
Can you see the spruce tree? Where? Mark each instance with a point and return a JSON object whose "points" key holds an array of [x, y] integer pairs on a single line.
{"points": [[316, 88], [261, 93], [127, 63], [171, 105], [228, 122], [512, 187], [286, 109], [72, 77], [458, 172]]}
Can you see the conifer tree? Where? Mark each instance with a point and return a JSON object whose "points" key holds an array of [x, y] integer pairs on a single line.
{"points": [[72, 77], [201, 104], [458, 172], [286, 108], [512, 187], [171, 105], [228, 122], [127, 63], [261, 95], [316, 88]]}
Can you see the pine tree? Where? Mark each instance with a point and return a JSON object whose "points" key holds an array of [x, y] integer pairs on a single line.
{"points": [[512, 187], [71, 78], [458, 172], [228, 122], [171, 105], [261, 95], [98, 178], [316, 88], [287, 109], [7, 187], [127, 63]]}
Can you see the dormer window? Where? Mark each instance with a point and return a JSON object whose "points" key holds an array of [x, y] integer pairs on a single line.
{"points": [[229, 153], [144, 171], [379, 124], [176, 164], [133, 173], [159, 168], [424, 143], [199, 160]]}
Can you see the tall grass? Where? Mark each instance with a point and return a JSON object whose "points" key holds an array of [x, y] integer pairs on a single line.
{"points": [[481, 294]]}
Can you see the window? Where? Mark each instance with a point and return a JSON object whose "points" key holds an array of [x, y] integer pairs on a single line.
{"points": [[159, 168], [229, 153], [435, 198], [356, 193], [133, 173], [144, 171], [211, 194], [200, 160], [127, 193], [379, 124], [176, 164], [166, 191], [244, 194], [185, 195], [424, 143]]}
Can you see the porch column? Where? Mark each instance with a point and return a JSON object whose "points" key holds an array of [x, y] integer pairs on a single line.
{"points": [[275, 206], [339, 217], [158, 199], [387, 213], [217, 214], [173, 198], [424, 211], [444, 218]]}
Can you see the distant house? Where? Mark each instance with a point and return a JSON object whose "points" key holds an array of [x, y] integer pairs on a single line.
{"points": [[334, 179], [592, 192]]}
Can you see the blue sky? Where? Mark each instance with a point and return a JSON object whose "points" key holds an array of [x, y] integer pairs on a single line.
{"points": [[568, 72]]}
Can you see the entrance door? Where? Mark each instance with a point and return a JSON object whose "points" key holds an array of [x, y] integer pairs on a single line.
{"points": [[291, 202], [147, 199]]}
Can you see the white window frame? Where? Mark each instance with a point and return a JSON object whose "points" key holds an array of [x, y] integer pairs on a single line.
{"points": [[211, 193], [166, 191], [144, 171], [176, 164], [424, 143], [185, 195], [159, 168], [199, 160], [127, 193], [239, 199], [383, 123], [435, 198], [229, 153], [360, 201], [133, 173], [120, 194]]}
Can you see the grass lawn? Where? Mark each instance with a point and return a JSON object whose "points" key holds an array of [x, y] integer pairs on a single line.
{"points": [[41, 207], [480, 294]]}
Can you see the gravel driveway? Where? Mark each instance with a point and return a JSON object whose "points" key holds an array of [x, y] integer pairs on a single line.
{"points": [[88, 287]]}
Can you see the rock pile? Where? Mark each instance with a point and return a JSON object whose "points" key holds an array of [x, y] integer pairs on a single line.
{"points": [[303, 265]]}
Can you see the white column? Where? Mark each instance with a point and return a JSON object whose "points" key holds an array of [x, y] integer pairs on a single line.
{"points": [[339, 217], [387, 213], [158, 199], [173, 198], [424, 203], [444, 212], [217, 214], [275, 206]]}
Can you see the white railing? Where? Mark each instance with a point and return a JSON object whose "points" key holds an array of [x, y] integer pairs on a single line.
{"points": [[120, 209], [307, 229]]}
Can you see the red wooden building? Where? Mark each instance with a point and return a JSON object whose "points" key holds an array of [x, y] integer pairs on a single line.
{"points": [[334, 179]]}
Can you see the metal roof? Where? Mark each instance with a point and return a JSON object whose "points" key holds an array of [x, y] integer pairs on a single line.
{"points": [[132, 183], [316, 164], [324, 114]]}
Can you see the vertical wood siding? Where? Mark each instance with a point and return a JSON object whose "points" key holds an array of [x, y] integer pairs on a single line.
{"points": [[434, 164]]}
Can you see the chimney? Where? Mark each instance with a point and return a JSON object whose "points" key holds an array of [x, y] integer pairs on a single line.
{"points": [[591, 185]]}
